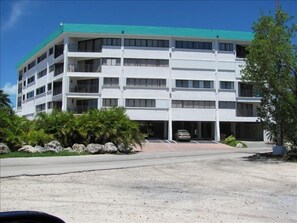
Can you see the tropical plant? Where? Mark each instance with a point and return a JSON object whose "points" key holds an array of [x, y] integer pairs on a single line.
{"points": [[231, 141], [110, 125], [4, 100], [13, 129], [271, 67], [62, 126]]}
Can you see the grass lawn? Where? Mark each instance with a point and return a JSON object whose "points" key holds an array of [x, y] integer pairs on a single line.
{"points": [[25, 154]]}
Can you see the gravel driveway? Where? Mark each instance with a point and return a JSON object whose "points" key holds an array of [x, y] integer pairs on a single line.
{"points": [[221, 190]]}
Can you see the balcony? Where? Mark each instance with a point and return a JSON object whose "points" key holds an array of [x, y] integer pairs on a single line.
{"points": [[81, 106], [74, 47], [247, 90], [246, 110], [89, 68], [245, 113], [85, 88]]}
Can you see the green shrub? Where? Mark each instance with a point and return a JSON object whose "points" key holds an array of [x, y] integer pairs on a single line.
{"points": [[231, 141]]}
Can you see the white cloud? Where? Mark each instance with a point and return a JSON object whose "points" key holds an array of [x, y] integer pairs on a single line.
{"points": [[10, 89], [17, 11]]}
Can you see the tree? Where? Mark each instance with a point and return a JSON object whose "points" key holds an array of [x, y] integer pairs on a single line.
{"points": [[271, 68], [4, 100]]}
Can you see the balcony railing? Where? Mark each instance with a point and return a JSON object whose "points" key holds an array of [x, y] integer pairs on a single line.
{"points": [[84, 68], [85, 88], [57, 90], [81, 109], [245, 113], [248, 93], [73, 47]]}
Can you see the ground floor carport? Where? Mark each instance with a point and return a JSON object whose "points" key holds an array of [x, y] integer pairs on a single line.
{"points": [[203, 130]]}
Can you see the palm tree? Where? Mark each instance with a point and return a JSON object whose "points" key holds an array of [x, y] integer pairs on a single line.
{"points": [[4, 100]]}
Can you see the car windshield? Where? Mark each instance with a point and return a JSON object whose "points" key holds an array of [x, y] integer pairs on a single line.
{"points": [[183, 131]]}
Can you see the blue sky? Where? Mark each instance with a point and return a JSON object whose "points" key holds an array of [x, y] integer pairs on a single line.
{"points": [[24, 24]]}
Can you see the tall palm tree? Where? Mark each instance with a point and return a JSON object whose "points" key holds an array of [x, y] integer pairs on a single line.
{"points": [[4, 100]]}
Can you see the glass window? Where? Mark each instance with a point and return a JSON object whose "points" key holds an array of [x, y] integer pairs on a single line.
{"points": [[227, 104], [226, 46], [227, 85], [111, 81], [31, 79], [182, 83], [40, 90], [51, 51], [110, 102], [30, 94], [207, 84], [41, 73], [31, 65], [196, 84], [49, 86]]}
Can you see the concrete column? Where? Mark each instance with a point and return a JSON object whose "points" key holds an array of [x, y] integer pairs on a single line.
{"points": [[165, 129], [199, 129], [233, 128], [122, 79], [65, 80], [169, 80], [216, 85]]}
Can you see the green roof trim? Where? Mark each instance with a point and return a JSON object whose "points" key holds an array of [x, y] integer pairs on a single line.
{"points": [[140, 30]]}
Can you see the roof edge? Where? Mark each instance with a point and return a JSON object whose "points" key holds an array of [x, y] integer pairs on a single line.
{"points": [[138, 30], [45, 42]]}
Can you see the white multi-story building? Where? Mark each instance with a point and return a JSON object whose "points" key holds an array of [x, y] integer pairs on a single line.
{"points": [[166, 78]]}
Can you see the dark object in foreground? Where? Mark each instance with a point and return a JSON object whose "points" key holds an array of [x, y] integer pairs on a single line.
{"points": [[289, 157], [28, 217]]}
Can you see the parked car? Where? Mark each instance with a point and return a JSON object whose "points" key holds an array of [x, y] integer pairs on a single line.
{"points": [[182, 134], [28, 217]]}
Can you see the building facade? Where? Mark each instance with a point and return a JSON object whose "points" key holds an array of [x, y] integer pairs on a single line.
{"points": [[166, 78]]}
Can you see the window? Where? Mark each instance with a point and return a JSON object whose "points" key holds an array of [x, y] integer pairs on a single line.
{"points": [[19, 104], [207, 84], [146, 43], [241, 51], [111, 61], [140, 82], [25, 69], [182, 83], [193, 45], [41, 73], [227, 104], [50, 105], [110, 102], [51, 68], [20, 75], [226, 85], [41, 58], [40, 90], [30, 95], [141, 103], [24, 83], [226, 46], [31, 79], [40, 107], [24, 97], [59, 68], [111, 81], [146, 62], [31, 65], [49, 87], [193, 104], [51, 51], [95, 45], [111, 41], [59, 50]]}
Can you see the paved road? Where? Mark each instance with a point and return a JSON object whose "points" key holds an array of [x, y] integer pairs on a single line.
{"points": [[59, 165]]}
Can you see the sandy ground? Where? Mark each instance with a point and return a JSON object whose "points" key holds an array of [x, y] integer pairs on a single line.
{"points": [[230, 190]]}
